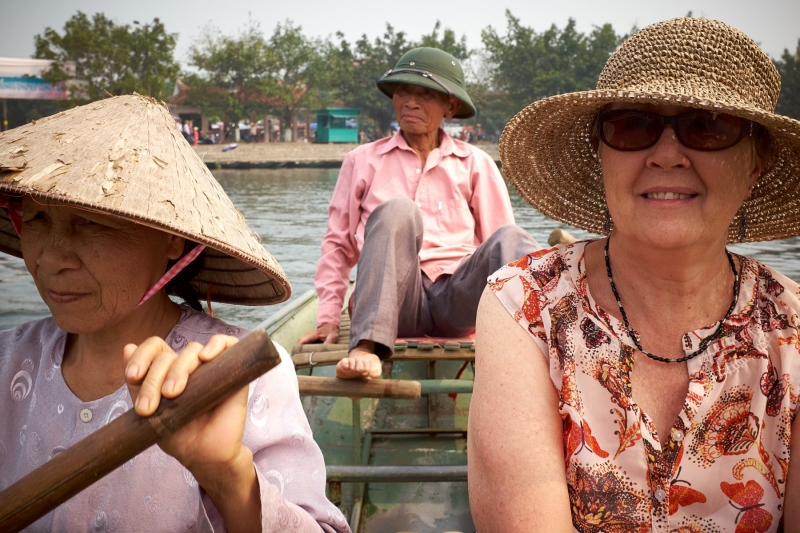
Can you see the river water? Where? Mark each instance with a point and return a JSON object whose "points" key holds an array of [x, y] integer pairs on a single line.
{"points": [[288, 208]]}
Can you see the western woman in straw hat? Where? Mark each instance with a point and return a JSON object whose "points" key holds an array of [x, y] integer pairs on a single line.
{"points": [[648, 380], [112, 211]]}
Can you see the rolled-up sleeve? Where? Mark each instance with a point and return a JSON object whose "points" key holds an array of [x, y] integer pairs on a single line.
{"points": [[288, 462]]}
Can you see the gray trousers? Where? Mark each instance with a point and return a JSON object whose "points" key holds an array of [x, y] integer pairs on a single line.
{"points": [[394, 298]]}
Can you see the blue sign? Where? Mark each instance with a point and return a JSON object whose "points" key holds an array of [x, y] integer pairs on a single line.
{"points": [[31, 89]]}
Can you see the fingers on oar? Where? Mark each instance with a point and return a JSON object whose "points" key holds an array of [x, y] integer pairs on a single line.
{"points": [[177, 371], [216, 345], [138, 358], [190, 360], [150, 391]]}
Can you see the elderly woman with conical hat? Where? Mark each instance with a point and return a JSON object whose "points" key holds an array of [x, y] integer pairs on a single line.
{"points": [[112, 212], [647, 380]]}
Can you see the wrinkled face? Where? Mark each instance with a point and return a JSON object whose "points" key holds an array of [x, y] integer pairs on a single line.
{"points": [[420, 110], [91, 269], [671, 196]]}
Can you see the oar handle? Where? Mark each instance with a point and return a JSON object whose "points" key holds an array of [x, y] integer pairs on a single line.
{"points": [[106, 449]]}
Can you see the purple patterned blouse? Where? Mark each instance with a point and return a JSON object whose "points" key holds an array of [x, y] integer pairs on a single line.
{"points": [[154, 492]]}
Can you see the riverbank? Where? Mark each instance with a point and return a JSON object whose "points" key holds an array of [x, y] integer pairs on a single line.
{"points": [[289, 155]]}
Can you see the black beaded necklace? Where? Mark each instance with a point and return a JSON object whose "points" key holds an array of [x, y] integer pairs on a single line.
{"points": [[633, 334]]}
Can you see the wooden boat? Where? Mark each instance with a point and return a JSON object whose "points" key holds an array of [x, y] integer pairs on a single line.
{"points": [[394, 465]]}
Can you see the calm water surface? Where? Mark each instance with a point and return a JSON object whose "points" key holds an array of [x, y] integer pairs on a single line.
{"points": [[289, 209]]}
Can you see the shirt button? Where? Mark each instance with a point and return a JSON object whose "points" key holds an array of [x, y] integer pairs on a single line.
{"points": [[660, 495], [677, 435], [86, 415], [418, 171]]}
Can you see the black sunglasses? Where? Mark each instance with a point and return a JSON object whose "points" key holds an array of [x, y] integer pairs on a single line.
{"points": [[633, 129]]}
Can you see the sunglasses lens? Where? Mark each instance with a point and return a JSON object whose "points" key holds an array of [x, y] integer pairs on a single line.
{"points": [[703, 130], [629, 129]]}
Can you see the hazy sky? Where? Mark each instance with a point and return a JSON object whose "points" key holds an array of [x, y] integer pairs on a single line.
{"points": [[775, 24]]}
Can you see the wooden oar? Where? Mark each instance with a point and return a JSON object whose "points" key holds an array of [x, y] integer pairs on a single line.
{"points": [[106, 449]]}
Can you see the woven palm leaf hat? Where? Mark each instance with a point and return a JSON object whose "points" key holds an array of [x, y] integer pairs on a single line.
{"points": [[124, 156], [547, 153]]}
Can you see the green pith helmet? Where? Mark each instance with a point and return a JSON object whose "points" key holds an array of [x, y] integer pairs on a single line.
{"points": [[432, 68]]}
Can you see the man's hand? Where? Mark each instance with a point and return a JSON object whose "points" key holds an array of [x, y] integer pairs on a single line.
{"points": [[361, 362], [327, 333]]}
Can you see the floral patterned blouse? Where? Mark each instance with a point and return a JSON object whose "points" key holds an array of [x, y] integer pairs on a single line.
{"points": [[723, 466]]}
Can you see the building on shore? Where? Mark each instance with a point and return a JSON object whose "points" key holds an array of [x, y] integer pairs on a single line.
{"points": [[21, 79]]}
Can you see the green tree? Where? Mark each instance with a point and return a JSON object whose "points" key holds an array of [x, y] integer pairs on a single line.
{"points": [[232, 80], [356, 68], [248, 75], [789, 100], [449, 43], [298, 72], [527, 66], [110, 58]]}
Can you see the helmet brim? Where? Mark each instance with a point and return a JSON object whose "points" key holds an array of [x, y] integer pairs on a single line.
{"points": [[389, 83]]}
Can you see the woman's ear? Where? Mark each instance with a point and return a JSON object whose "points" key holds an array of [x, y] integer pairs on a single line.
{"points": [[755, 173], [175, 247]]}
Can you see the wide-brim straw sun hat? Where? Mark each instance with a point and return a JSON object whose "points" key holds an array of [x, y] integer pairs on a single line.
{"points": [[124, 156], [433, 69], [546, 149]]}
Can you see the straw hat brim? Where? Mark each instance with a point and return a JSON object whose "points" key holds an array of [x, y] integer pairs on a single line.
{"points": [[124, 156], [390, 83], [547, 155]]}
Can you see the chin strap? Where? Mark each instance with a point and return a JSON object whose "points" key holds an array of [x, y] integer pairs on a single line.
{"points": [[172, 272], [14, 213]]}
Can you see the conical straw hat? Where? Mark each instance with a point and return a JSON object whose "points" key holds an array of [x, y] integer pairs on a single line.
{"points": [[547, 153], [124, 156]]}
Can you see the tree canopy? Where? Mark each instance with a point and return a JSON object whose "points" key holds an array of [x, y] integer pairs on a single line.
{"points": [[233, 73], [526, 66], [789, 101], [249, 74], [110, 58]]}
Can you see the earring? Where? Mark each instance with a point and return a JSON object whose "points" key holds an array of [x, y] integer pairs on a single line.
{"points": [[606, 222], [743, 225]]}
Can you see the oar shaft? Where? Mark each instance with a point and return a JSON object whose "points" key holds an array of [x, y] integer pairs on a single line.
{"points": [[87, 461]]}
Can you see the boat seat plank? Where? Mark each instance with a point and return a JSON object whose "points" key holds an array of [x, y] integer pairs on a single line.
{"points": [[395, 474], [308, 359]]}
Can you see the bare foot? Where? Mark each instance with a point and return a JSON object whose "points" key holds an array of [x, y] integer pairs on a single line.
{"points": [[361, 362]]}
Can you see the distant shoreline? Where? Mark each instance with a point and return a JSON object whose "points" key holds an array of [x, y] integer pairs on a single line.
{"points": [[289, 155]]}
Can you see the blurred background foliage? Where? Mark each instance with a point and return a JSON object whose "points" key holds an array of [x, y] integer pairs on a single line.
{"points": [[252, 72]]}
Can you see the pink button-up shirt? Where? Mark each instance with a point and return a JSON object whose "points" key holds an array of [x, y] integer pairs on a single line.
{"points": [[459, 191]]}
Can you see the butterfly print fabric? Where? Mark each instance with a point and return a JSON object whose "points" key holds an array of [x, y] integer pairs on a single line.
{"points": [[723, 466]]}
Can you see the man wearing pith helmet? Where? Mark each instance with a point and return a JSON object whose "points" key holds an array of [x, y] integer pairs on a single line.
{"points": [[424, 216]]}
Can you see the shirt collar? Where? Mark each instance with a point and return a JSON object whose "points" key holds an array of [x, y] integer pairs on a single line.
{"points": [[447, 145]]}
